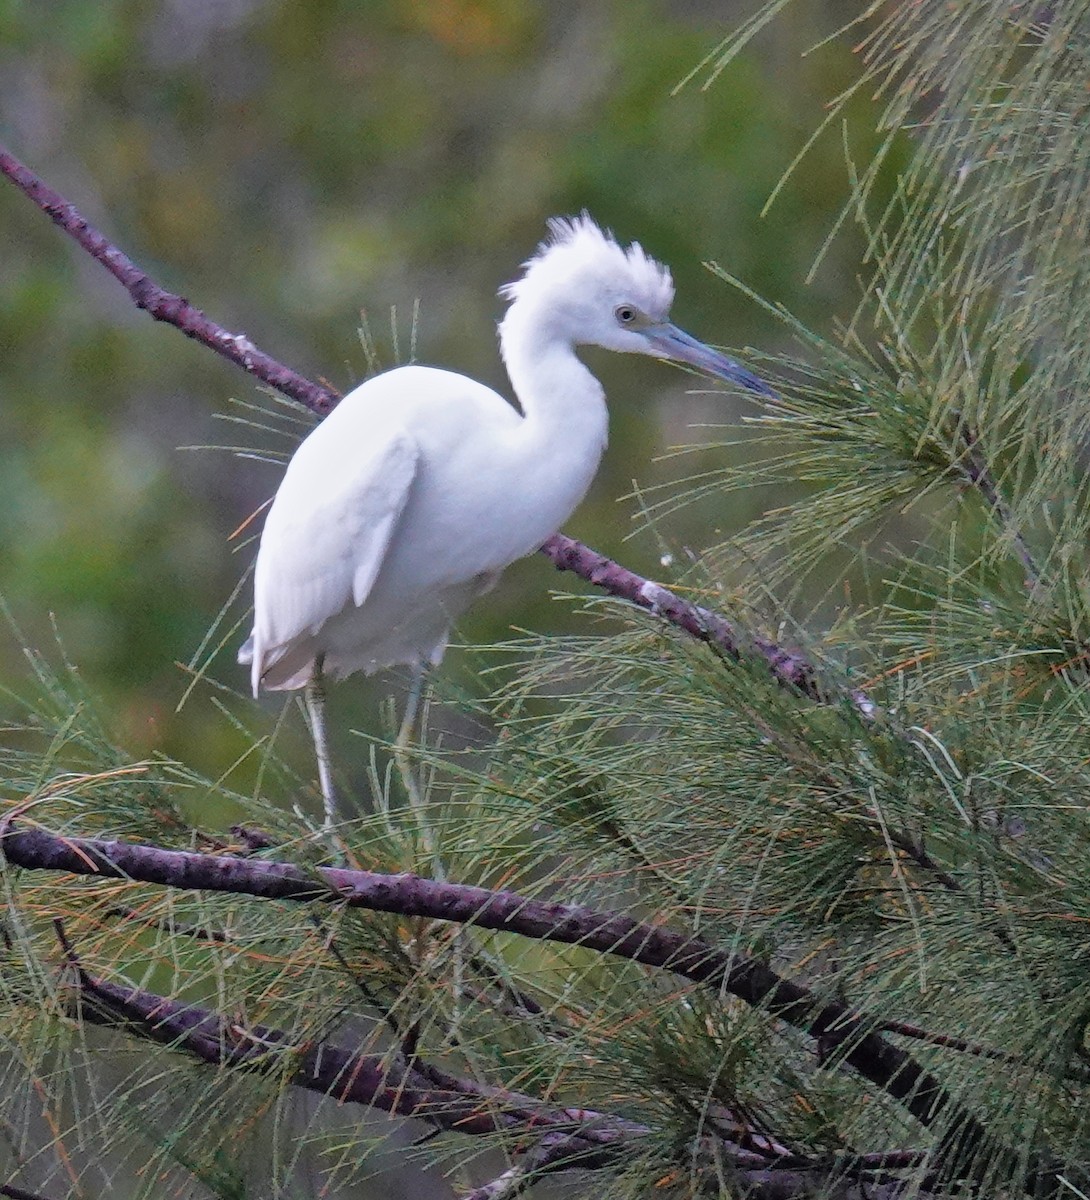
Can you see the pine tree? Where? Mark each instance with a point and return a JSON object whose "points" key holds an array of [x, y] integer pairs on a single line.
{"points": [[761, 894]]}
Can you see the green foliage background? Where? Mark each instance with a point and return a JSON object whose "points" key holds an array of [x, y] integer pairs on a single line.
{"points": [[285, 165]]}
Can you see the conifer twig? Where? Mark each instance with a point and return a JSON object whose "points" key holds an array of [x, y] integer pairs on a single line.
{"points": [[975, 469], [788, 667]]}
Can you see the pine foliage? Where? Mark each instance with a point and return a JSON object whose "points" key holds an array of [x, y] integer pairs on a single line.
{"points": [[920, 856]]}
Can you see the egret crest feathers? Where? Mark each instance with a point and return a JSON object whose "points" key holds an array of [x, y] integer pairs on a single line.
{"points": [[578, 244]]}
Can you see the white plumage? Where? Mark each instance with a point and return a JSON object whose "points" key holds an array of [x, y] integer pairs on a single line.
{"points": [[422, 485]]}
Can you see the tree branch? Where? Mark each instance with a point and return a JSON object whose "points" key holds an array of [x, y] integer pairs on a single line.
{"points": [[788, 667], [836, 1028], [948, 1042], [554, 1152], [381, 1081], [163, 305], [17, 1193], [567, 1138]]}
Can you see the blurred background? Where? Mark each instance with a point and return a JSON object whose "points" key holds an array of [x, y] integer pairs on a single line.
{"points": [[288, 164]]}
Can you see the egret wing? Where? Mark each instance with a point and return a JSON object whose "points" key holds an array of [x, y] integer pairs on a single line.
{"points": [[327, 533]]}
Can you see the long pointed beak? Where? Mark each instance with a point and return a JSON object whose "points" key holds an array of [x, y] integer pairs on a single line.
{"points": [[670, 342]]}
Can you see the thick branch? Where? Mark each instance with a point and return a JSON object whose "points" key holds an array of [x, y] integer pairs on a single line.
{"points": [[565, 1138], [837, 1028]]}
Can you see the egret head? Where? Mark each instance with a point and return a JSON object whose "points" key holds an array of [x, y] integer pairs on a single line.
{"points": [[583, 287]]}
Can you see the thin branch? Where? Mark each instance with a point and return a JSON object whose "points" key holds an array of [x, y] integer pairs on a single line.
{"points": [[510, 1183], [787, 1181], [167, 925], [974, 468], [407, 1038], [835, 1027], [163, 305], [789, 667], [914, 850], [948, 1042], [554, 1152], [588, 1123]]}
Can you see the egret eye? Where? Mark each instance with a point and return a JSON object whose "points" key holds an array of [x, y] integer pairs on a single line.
{"points": [[625, 314]]}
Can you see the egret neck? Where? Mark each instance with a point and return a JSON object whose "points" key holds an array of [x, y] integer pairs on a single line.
{"points": [[565, 422]]}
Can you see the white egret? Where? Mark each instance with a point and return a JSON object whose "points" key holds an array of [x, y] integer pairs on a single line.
{"points": [[422, 485]]}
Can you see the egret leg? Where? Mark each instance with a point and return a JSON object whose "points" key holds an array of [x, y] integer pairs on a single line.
{"points": [[315, 700], [403, 758], [412, 707], [427, 837]]}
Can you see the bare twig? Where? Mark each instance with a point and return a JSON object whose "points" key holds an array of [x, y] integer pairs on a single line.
{"points": [[161, 304], [788, 667], [914, 850], [406, 1037]]}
